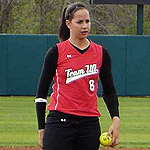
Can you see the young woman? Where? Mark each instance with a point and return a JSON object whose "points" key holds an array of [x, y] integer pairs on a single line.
{"points": [[76, 64]]}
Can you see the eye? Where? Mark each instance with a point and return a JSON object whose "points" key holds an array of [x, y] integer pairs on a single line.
{"points": [[79, 22], [87, 21]]}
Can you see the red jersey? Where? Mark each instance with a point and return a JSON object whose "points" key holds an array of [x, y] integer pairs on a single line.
{"points": [[76, 80]]}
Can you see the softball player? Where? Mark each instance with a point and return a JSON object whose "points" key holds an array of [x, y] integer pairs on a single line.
{"points": [[75, 64]]}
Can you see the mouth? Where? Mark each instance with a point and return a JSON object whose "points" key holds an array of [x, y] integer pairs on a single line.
{"points": [[85, 32]]}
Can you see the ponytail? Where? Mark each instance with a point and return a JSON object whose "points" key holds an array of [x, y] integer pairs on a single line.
{"points": [[68, 12], [64, 31]]}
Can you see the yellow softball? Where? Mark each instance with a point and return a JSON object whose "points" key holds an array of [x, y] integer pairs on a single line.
{"points": [[105, 140]]}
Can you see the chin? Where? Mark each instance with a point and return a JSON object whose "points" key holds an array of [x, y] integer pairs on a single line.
{"points": [[83, 36]]}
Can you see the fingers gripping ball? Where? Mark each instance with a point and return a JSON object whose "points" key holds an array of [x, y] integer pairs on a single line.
{"points": [[105, 140]]}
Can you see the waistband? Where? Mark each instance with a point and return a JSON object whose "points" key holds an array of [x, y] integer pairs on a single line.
{"points": [[58, 114]]}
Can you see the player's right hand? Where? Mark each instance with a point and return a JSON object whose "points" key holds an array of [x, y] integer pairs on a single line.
{"points": [[41, 133]]}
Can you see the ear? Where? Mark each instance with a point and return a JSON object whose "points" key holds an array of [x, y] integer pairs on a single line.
{"points": [[68, 23]]}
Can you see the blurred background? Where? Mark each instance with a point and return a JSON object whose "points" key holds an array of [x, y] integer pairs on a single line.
{"points": [[43, 16]]}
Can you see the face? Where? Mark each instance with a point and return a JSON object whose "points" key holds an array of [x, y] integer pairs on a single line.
{"points": [[80, 24]]}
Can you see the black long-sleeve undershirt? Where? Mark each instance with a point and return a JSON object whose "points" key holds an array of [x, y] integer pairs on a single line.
{"points": [[47, 74]]}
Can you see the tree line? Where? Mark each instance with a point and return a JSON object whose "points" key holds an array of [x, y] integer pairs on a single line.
{"points": [[43, 17]]}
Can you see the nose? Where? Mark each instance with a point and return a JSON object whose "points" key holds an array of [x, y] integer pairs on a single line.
{"points": [[85, 25]]}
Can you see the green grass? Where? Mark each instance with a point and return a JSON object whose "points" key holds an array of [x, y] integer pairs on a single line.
{"points": [[18, 125], [135, 122], [17, 121]]}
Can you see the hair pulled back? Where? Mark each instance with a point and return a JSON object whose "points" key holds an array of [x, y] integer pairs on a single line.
{"points": [[68, 12]]}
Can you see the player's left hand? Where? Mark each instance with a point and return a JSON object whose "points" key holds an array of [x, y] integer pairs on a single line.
{"points": [[115, 131]]}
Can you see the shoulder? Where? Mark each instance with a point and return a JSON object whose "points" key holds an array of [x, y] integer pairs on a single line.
{"points": [[95, 44], [52, 52], [52, 49], [63, 48], [96, 48], [61, 44], [106, 53], [106, 58]]}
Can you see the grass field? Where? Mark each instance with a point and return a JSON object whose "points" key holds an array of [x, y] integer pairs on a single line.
{"points": [[18, 125]]}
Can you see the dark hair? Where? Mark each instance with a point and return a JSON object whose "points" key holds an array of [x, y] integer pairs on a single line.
{"points": [[68, 12]]}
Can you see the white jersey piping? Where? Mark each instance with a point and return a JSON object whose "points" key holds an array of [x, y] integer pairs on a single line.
{"points": [[57, 91]]}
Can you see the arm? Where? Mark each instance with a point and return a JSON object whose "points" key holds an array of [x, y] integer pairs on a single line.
{"points": [[47, 74], [110, 97]]}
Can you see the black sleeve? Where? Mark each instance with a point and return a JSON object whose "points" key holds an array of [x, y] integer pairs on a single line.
{"points": [[108, 88], [47, 74], [40, 111]]}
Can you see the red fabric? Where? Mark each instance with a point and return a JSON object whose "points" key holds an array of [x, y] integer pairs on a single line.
{"points": [[76, 80]]}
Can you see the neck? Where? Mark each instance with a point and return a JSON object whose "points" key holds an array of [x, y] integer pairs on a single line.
{"points": [[81, 44]]}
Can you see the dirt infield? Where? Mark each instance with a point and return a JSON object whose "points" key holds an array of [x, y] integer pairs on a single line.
{"points": [[36, 148]]}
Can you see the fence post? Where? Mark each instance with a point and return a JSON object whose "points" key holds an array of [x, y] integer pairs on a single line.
{"points": [[140, 19]]}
